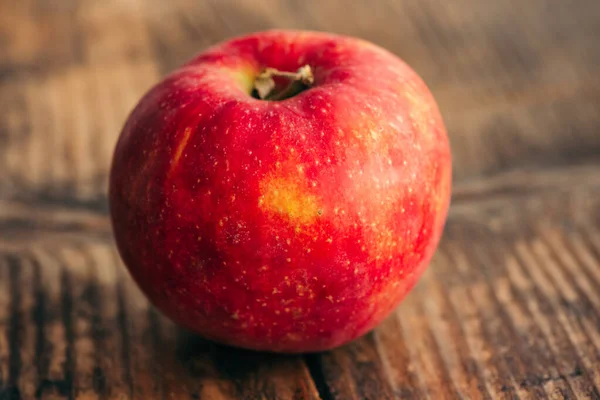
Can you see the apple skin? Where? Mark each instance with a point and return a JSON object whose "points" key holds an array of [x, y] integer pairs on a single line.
{"points": [[285, 226]]}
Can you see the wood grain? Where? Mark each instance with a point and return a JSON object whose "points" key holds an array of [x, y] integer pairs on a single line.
{"points": [[510, 307]]}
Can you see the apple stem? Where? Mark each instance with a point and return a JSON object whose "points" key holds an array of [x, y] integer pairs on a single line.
{"points": [[264, 85]]}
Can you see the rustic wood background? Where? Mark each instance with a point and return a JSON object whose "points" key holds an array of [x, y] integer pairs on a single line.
{"points": [[510, 307]]}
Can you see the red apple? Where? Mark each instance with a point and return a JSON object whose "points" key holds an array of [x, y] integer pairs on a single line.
{"points": [[293, 223]]}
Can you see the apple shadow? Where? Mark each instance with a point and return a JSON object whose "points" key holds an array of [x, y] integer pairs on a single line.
{"points": [[241, 371], [193, 352]]}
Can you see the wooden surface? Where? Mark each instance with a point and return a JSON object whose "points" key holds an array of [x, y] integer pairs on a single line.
{"points": [[510, 307]]}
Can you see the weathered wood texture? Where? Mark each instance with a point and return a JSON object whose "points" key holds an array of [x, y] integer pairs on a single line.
{"points": [[510, 307]]}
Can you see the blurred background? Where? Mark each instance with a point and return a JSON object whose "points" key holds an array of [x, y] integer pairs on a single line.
{"points": [[510, 307]]}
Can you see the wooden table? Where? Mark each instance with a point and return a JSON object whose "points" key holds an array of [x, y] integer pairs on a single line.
{"points": [[510, 307]]}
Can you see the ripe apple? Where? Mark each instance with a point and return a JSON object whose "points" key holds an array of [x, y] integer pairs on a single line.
{"points": [[282, 191]]}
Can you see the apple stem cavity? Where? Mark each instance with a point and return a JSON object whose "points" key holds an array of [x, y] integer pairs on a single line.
{"points": [[264, 85]]}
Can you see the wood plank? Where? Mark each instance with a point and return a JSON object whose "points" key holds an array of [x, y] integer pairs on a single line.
{"points": [[402, 372], [535, 372], [354, 371], [54, 356], [424, 346], [23, 328], [5, 333], [465, 373]]}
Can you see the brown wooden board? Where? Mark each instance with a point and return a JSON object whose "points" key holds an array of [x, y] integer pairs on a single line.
{"points": [[510, 307]]}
